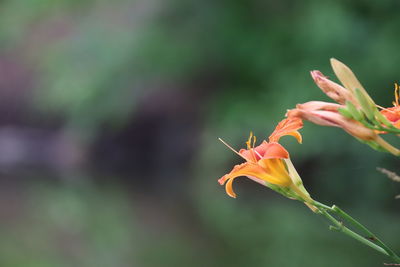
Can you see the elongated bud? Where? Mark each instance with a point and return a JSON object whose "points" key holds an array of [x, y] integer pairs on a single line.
{"points": [[332, 89], [326, 114], [348, 79]]}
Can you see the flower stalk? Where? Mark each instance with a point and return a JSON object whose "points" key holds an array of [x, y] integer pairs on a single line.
{"points": [[269, 163], [366, 236]]}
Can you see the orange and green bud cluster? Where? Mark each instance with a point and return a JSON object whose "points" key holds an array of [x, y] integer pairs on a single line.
{"points": [[355, 111]]}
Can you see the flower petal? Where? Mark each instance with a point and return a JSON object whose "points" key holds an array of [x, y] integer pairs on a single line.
{"points": [[277, 169], [274, 150], [288, 126], [249, 155], [392, 114], [270, 170], [229, 188], [265, 150]]}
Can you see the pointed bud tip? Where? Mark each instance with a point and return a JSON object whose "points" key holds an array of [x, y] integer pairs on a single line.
{"points": [[313, 74], [338, 64], [335, 62], [332, 59], [317, 75]]}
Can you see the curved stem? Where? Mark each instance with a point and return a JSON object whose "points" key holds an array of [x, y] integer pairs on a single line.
{"points": [[362, 228], [368, 239], [391, 149], [341, 228]]}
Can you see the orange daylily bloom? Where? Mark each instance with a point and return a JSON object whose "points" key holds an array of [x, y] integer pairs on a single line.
{"points": [[393, 113], [265, 162]]}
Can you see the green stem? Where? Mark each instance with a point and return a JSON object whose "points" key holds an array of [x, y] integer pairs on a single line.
{"points": [[370, 240], [341, 228], [391, 149], [323, 206], [366, 232]]}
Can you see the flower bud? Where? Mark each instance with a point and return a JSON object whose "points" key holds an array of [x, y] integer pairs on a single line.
{"points": [[326, 114], [332, 89]]}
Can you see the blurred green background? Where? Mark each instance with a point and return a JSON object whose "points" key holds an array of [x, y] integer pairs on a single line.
{"points": [[109, 118]]}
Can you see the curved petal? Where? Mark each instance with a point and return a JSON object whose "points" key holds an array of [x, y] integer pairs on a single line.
{"points": [[270, 170], [274, 150], [229, 188], [392, 114], [249, 155], [288, 126], [277, 169], [296, 135], [265, 150]]}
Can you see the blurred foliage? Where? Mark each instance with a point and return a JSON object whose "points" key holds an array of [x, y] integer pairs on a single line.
{"points": [[84, 224], [99, 64]]}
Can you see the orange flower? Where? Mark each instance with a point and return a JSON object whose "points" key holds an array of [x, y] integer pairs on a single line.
{"points": [[266, 163], [393, 113]]}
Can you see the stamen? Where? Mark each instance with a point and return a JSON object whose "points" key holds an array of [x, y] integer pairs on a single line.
{"points": [[250, 146], [386, 109], [254, 140], [248, 143], [396, 95], [231, 148], [258, 154], [380, 107]]}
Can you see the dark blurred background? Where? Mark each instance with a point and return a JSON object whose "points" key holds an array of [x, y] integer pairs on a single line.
{"points": [[109, 118]]}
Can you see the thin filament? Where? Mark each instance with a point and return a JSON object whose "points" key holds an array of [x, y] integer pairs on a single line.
{"points": [[231, 148]]}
